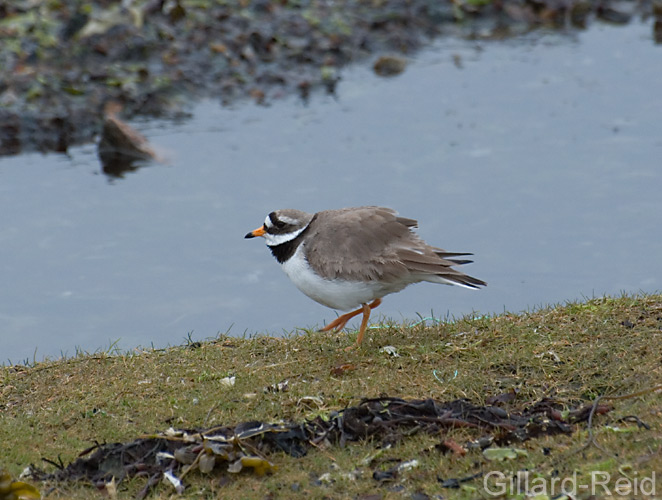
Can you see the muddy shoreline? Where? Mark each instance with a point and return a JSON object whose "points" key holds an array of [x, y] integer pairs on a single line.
{"points": [[62, 62]]}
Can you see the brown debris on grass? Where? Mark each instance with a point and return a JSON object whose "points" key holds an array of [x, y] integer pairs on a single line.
{"points": [[174, 453]]}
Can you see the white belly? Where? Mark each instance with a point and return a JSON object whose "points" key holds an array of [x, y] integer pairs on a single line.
{"points": [[337, 294]]}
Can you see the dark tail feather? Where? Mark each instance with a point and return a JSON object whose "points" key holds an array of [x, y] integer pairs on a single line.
{"points": [[444, 254], [469, 281], [459, 262]]}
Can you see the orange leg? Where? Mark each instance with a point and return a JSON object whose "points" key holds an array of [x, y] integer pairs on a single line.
{"points": [[340, 322], [364, 324]]}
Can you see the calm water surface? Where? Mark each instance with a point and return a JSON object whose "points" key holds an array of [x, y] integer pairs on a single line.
{"points": [[542, 156]]}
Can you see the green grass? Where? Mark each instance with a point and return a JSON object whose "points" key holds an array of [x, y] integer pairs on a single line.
{"points": [[573, 353]]}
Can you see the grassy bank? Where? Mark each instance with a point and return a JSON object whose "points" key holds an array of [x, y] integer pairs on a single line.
{"points": [[573, 353]]}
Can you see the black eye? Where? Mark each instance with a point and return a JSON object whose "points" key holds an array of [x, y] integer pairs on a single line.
{"points": [[279, 224]]}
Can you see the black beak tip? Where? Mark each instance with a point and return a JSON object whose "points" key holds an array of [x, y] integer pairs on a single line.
{"points": [[249, 235]]}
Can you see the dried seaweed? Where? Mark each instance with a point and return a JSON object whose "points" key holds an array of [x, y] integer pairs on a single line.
{"points": [[174, 453]]}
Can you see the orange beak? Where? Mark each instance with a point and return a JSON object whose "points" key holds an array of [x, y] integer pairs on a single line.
{"points": [[257, 232]]}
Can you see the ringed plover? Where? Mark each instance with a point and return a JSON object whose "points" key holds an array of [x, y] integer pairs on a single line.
{"points": [[352, 257]]}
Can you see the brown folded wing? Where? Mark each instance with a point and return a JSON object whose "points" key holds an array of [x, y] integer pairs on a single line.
{"points": [[373, 243]]}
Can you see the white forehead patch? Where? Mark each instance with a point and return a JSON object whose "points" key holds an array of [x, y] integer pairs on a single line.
{"points": [[267, 222]]}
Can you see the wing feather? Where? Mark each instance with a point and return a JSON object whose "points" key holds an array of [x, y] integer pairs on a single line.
{"points": [[374, 243]]}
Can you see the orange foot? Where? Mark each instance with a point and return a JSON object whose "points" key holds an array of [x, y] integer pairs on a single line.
{"points": [[340, 322]]}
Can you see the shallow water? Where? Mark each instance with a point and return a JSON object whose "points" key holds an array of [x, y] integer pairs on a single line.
{"points": [[541, 155]]}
